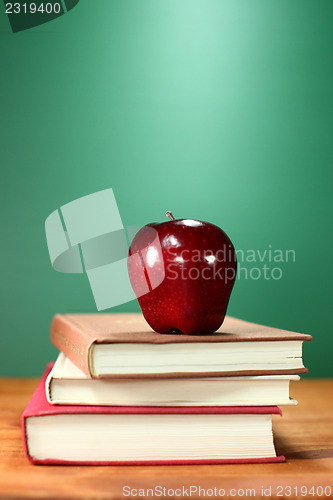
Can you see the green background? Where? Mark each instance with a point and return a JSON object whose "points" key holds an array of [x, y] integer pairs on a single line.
{"points": [[219, 110]]}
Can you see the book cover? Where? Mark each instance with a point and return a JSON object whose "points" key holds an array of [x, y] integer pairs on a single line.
{"points": [[76, 334]]}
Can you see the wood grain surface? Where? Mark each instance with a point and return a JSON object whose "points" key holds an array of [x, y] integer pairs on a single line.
{"points": [[304, 435]]}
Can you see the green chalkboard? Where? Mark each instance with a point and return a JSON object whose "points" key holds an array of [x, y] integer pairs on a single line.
{"points": [[219, 110]]}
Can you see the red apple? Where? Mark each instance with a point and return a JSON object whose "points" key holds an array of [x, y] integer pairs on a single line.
{"points": [[190, 268]]}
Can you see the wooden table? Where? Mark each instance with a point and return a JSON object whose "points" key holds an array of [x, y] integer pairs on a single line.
{"points": [[304, 435]]}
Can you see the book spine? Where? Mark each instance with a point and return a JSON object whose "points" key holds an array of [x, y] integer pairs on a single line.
{"points": [[72, 341]]}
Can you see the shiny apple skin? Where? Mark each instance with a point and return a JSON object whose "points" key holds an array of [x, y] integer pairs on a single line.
{"points": [[194, 294]]}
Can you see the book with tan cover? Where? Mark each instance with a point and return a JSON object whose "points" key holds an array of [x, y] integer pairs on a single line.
{"points": [[123, 345]]}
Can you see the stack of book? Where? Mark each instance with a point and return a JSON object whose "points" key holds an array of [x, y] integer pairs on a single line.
{"points": [[119, 393]]}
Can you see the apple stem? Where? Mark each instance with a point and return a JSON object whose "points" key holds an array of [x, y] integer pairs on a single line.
{"points": [[169, 214]]}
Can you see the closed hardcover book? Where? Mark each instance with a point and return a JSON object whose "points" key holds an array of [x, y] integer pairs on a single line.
{"points": [[67, 384], [113, 435], [123, 345]]}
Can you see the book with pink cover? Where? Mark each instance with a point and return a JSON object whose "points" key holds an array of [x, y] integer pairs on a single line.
{"points": [[106, 435], [124, 345]]}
